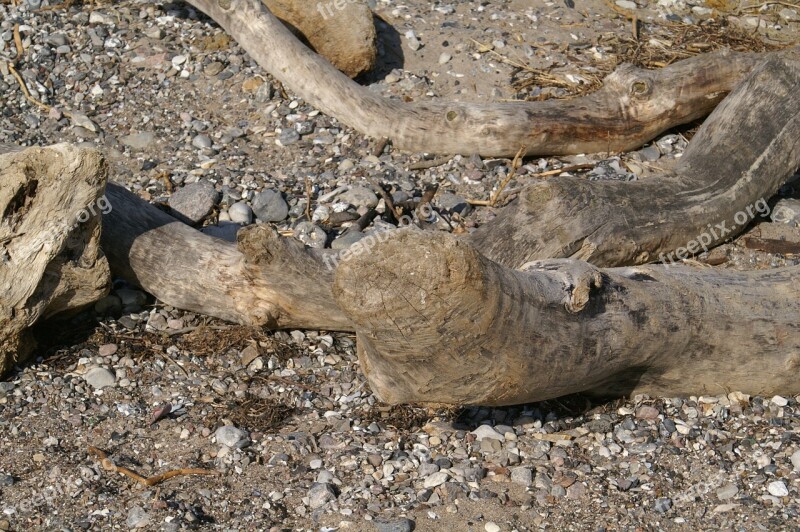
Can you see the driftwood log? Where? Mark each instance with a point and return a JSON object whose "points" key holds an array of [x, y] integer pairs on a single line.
{"points": [[50, 259], [743, 153], [438, 322], [633, 106], [342, 32]]}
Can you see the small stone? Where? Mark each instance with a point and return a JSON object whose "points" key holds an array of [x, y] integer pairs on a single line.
{"points": [[727, 491], [522, 475], [287, 136], [786, 211], [375, 459], [316, 463], [202, 141], [576, 491], [347, 239], [310, 235], [252, 84], [106, 350], [138, 141], [626, 4], [269, 206], [360, 197], [780, 401], [451, 203], [395, 525], [444, 58], [790, 15], [491, 526], [155, 33], [6, 480], [99, 378], [130, 297], [241, 213], [194, 202], [436, 479], [346, 164], [320, 494], [137, 518], [231, 436], [663, 504], [412, 40], [778, 489], [212, 69], [6, 387], [647, 412], [795, 458], [485, 431]]}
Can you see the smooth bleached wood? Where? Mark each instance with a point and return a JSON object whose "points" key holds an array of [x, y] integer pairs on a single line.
{"points": [[633, 106], [437, 322]]}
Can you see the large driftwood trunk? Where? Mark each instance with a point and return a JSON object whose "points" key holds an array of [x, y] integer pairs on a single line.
{"points": [[632, 107], [50, 259], [735, 163], [437, 322], [345, 36]]}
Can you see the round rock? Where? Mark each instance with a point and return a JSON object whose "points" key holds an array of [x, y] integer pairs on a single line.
{"points": [[241, 213], [99, 378], [269, 206], [194, 201], [231, 436]]}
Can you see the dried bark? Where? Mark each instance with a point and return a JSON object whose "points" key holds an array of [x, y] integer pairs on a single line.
{"points": [[50, 258]]}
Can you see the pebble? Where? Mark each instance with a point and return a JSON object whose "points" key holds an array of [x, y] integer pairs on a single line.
{"points": [[522, 475], [778, 489], [451, 203], [491, 526], [99, 378], [347, 239], [202, 141], [436, 479], [287, 136], [485, 431], [786, 211], [320, 494], [626, 4], [663, 505], [395, 525], [269, 206], [647, 412], [577, 491], [6, 480], [6, 387], [727, 491], [241, 213], [231, 436], [137, 518], [358, 196], [412, 40], [444, 58], [194, 202], [795, 458], [311, 235], [138, 141]]}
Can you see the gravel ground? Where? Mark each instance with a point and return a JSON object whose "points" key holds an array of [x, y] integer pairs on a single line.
{"points": [[283, 423]]}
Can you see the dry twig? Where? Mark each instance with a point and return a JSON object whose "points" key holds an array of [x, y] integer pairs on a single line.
{"points": [[109, 465]]}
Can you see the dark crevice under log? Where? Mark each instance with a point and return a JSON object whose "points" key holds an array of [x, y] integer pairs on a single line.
{"points": [[735, 163], [437, 322], [633, 106]]}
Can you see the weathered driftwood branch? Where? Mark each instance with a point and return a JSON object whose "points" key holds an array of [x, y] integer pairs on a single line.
{"points": [[341, 32], [438, 322], [735, 163], [50, 259], [632, 107], [267, 280]]}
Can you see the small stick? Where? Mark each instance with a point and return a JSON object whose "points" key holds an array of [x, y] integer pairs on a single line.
{"points": [[18, 43], [515, 164], [424, 165], [387, 198], [109, 465], [380, 146], [25, 90], [308, 198]]}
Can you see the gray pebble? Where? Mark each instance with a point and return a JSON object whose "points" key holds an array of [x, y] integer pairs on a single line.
{"points": [[194, 201], [451, 203], [310, 235], [6, 480], [522, 475], [202, 141], [358, 196], [231, 436], [727, 491], [347, 239], [129, 297], [137, 518], [6, 387], [786, 211], [288, 136], [241, 213], [395, 525], [269, 206], [138, 141], [320, 494], [663, 505], [99, 378]]}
